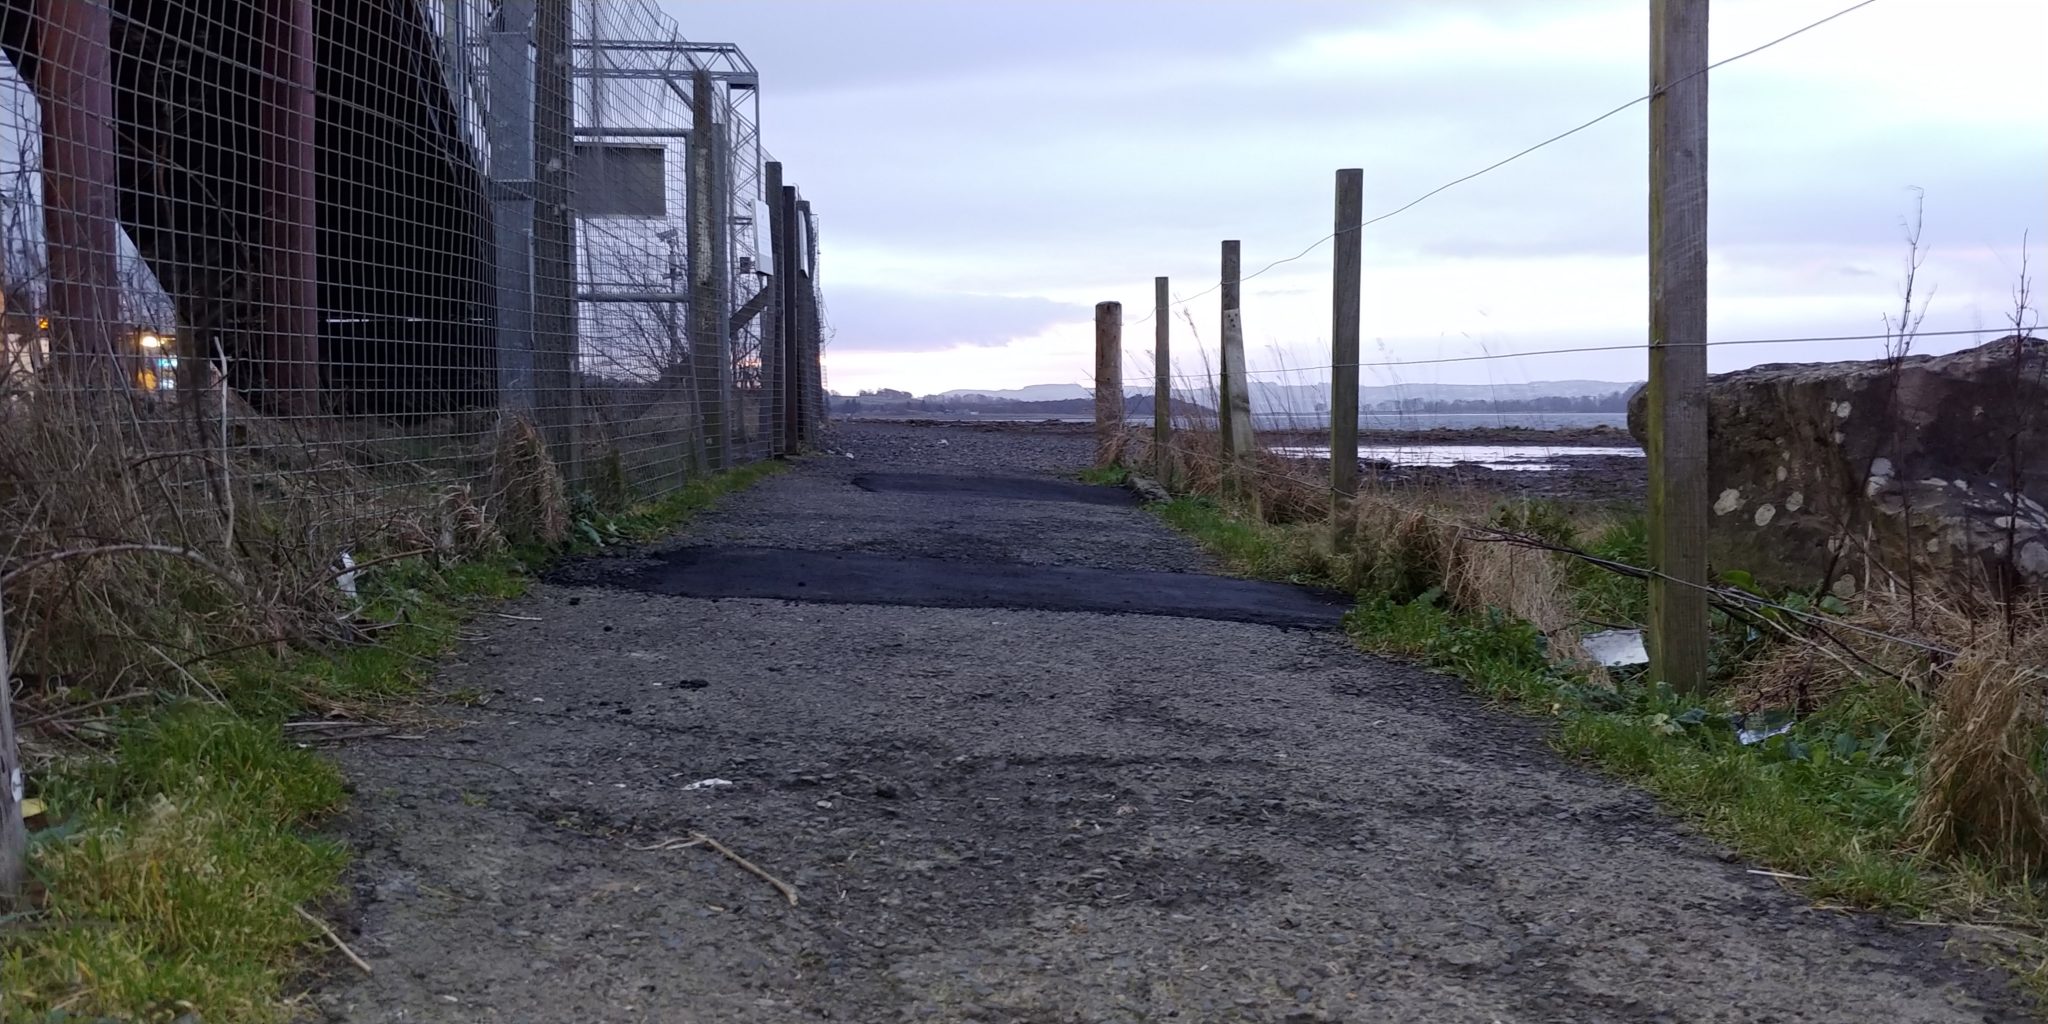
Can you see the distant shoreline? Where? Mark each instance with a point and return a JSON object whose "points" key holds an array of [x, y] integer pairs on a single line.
{"points": [[1599, 436]]}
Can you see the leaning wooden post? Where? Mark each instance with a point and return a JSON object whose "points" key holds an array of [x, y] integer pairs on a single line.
{"points": [[1162, 386], [1344, 302], [1677, 414], [1109, 381]]}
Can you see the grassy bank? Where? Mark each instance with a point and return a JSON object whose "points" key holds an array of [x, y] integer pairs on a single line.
{"points": [[1878, 786], [177, 863]]}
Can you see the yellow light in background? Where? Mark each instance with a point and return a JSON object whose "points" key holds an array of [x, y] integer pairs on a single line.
{"points": [[152, 341]]}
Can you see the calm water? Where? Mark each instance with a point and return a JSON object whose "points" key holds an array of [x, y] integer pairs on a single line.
{"points": [[1529, 457], [1448, 421], [1369, 421]]}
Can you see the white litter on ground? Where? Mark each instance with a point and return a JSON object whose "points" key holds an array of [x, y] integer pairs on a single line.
{"points": [[1751, 737], [346, 579], [1612, 647]]}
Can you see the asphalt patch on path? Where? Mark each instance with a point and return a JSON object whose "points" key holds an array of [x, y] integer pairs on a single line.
{"points": [[1015, 488], [852, 577]]}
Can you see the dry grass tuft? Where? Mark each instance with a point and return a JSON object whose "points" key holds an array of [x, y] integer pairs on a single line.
{"points": [[1808, 674], [1981, 795], [1115, 449], [131, 543], [1524, 582], [468, 531], [532, 501], [142, 534]]}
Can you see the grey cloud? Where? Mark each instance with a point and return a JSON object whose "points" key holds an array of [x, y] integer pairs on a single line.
{"points": [[808, 45], [879, 319], [1017, 145]]}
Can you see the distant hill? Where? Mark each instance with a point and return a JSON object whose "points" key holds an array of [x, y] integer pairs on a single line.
{"points": [[1271, 397], [1027, 393], [1268, 399], [1308, 399]]}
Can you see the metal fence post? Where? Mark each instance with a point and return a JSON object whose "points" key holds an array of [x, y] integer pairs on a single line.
{"points": [[512, 201], [75, 85], [291, 262]]}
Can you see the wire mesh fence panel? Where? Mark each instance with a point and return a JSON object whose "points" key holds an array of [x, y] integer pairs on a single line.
{"points": [[286, 281]]}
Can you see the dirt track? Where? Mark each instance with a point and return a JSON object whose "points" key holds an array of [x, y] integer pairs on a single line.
{"points": [[1022, 814]]}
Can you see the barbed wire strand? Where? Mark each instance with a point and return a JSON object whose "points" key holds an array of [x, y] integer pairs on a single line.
{"points": [[1729, 595], [1503, 162], [1633, 347]]}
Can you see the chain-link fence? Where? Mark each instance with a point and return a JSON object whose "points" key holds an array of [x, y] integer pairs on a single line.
{"points": [[297, 280]]}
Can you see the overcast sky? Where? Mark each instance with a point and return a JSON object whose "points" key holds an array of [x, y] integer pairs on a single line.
{"points": [[986, 170]]}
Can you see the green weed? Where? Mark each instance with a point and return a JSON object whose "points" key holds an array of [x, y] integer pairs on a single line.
{"points": [[1106, 476], [172, 881]]}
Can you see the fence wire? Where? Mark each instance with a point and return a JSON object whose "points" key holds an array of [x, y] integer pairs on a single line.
{"points": [[368, 233], [292, 288]]}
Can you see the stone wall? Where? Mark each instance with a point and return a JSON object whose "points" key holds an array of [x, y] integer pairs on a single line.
{"points": [[1811, 465]]}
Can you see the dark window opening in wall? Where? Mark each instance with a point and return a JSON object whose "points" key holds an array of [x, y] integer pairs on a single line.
{"points": [[614, 180]]}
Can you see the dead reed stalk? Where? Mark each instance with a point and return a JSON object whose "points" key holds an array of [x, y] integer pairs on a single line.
{"points": [[1981, 794]]}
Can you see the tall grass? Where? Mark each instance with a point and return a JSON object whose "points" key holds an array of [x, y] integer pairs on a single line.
{"points": [[176, 591]]}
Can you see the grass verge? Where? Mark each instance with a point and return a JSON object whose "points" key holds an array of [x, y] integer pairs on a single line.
{"points": [[1831, 797], [1105, 476], [177, 847]]}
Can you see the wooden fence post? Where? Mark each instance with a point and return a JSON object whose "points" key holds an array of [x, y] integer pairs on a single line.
{"points": [[811, 358], [1347, 272], [1162, 386], [1109, 380], [1228, 304], [707, 346], [1239, 438], [789, 278], [775, 360], [1677, 414]]}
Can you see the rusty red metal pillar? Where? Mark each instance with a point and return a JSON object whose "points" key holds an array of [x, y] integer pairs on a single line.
{"points": [[75, 86], [290, 269]]}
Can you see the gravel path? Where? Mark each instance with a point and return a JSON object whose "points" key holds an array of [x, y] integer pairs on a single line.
{"points": [[1007, 815]]}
